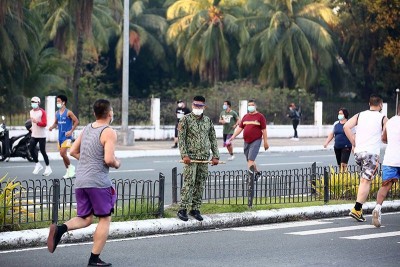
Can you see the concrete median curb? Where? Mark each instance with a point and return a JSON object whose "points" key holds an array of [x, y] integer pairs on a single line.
{"points": [[38, 237]]}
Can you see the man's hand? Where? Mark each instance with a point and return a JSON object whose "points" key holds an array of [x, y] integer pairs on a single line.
{"points": [[118, 163], [186, 160], [266, 146], [68, 133], [214, 161]]}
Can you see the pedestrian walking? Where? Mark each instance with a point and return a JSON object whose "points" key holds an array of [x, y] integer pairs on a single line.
{"points": [[66, 122], [95, 196], [366, 144], [342, 146], [39, 123], [196, 139], [254, 127], [230, 120], [390, 165], [180, 111], [294, 114]]}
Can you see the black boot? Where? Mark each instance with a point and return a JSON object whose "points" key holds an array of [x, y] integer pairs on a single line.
{"points": [[196, 214], [182, 214]]}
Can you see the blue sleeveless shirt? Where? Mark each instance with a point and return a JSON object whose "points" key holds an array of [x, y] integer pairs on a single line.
{"points": [[64, 125]]}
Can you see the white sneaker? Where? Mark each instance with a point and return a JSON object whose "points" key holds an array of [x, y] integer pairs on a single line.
{"points": [[231, 157], [38, 168], [295, 139], [66, 175], [71, 171], [47, 171], [376, 218]]}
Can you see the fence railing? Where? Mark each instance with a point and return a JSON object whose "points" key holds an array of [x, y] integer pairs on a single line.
{"points": [[53, 200], [314, 183]]}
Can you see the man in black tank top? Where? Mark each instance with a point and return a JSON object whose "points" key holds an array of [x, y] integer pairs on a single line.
{"points": [[94, 193]]}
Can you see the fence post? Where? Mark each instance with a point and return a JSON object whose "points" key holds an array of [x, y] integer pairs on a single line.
{"points": [[326, 186], [174, 185], [313, 178], [56, 200], [250, 188], [161, 193]]}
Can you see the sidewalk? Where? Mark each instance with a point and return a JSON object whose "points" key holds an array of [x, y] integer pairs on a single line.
{"points": [[163, 148], [38, 237]]}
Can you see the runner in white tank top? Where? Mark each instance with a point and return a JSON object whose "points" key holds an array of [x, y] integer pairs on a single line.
{"points": [[391, 164], [366, 143]]}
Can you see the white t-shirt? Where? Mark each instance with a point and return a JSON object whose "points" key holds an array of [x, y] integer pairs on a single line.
{"points": [[392, 156], [369, 132]]}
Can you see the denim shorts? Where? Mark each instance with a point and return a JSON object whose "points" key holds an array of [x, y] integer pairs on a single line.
{"points": [[97, 201], [390, 174]]}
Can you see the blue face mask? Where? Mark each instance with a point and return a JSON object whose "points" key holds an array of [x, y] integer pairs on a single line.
{"points": [[225, 107], [251, 108], [34, 105], [340, 117]]}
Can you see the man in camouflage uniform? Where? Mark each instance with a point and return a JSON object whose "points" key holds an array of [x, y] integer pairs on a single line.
{"points": [[196, 136]]}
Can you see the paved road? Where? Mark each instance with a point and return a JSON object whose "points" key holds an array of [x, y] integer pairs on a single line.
{"points": [[326, 242]]}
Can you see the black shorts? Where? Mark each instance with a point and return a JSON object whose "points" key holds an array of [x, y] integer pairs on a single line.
{"points": [[342, 154]]}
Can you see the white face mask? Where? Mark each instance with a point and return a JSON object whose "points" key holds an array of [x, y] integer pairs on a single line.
{"points": [[59, 105], [251, 108], [180, 105], [197, 112]]}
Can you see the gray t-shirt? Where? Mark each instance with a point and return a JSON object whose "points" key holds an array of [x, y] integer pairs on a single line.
{"points": [[92, 170]]}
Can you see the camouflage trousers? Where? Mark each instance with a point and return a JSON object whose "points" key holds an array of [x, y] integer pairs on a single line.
{"points": [[194, 177]]}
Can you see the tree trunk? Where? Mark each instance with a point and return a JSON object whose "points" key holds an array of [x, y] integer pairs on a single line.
{"points": [[77, 74]]}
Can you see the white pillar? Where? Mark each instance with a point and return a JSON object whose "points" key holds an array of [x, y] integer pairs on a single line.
{"points": [[155, 117], [50, 107], [318, 113], [242, 108], [384, 109]]}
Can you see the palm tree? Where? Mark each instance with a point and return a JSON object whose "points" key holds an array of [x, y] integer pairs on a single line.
{"points": [[146, 29], [76, 27], [292, 39], [200, 31], [19, 31]]}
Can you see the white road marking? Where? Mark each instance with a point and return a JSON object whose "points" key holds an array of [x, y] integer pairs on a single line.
{"points": [[278, 226], [14, 167], [114, 240], [372, 236], [318, 156], [332, 230], [137, 170], [287, 163]]}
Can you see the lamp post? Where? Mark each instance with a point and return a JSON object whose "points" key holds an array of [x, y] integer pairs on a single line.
{"points": [[397, 100]]}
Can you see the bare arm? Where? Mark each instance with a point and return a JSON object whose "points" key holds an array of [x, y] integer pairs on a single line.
{"points": [[328, 139], [75, 150], [384, 134], [350, 124], [54, 125], [264, 133], [236, 133], [75, 123], [109, 139]]}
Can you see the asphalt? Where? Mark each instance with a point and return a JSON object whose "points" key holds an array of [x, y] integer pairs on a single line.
{"points": [[38, 237]]}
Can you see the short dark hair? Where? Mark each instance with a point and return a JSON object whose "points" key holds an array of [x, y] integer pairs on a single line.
{"points": [[199, 98], [375, 100], [101, 108], [228, 103], [345, 112], [63, 98], [251, 101]]}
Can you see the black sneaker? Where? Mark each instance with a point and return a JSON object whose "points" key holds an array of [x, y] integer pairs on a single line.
{"points": [[99, 262], [257, 176], [196, 214], [174, 146], [183, 215]]}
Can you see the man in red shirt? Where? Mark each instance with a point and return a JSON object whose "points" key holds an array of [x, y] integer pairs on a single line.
{"points": [[254, 125]]}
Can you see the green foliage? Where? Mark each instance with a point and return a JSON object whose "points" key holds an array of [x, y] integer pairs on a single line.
{"points": [[344, 185], [10, 204]]}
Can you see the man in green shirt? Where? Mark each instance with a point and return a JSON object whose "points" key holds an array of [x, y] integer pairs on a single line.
{"points": [[230, 119], [196, 137]]}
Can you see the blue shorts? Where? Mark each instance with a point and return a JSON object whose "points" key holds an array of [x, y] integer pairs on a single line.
{"points": [[390, 174]]}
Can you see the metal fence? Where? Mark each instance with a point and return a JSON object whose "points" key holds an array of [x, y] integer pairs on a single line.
{"points": [[314, 183], [52, 200]]}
